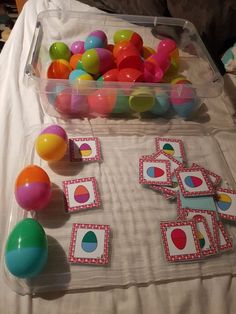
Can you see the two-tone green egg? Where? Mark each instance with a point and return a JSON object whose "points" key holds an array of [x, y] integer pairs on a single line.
{"points": [[26, 250]]}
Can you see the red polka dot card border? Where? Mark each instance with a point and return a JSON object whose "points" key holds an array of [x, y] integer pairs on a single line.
{"points": [[205, 188], [146, 163], [184, 244], [76, 245], [207, 243], [179, 152], [209, 215], [93, 149], [215, 178], [88, 185], [226, 242], [226, 208]]}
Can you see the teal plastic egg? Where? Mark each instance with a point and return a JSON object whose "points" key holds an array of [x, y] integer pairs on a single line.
{"points": [[26, 249]]}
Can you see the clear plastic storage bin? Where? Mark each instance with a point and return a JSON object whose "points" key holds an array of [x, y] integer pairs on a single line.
{"points": [[52, 26]]}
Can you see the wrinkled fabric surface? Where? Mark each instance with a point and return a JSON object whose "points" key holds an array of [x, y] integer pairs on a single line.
{"points": [[20, 111]]}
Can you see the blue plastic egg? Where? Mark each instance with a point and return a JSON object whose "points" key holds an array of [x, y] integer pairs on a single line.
{"points": [[26, 250], [96, 39]]}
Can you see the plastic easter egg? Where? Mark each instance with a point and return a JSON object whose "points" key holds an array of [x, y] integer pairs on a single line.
{"points": [[51, 144], [141, 100], [152, 72], [125, 44], [71, 103], [74, 60], [129, 57], [26, 250], [161, 59], [169, 46], [126, 34], [183, 100], [109, 76], [98, 60], [121, 104], [101, 102], [79, 75], [59, 50], [130, 75], [96, 39], [32, 188], [147, 52], [162, 103], [77, 47], [59, 69], [52, 89]]}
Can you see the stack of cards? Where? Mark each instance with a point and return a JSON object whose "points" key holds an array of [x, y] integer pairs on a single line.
{"points": [[89, 242], [197, 232]]}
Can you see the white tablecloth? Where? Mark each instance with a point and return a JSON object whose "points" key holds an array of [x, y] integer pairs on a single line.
{"points": [[20, 110]]}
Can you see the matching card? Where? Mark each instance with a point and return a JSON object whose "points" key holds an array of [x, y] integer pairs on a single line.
{"points": [[84, 149], [89, 244], [81, 194], [171, 146]]}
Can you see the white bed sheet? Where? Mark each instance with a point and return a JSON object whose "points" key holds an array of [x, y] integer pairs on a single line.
{"points": [[20, 109]]}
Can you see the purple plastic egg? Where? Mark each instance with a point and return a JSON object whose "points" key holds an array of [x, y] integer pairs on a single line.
{"points": [[77, 47]]}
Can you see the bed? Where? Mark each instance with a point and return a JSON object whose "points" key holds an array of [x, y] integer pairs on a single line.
{"points": [[204, 289]]}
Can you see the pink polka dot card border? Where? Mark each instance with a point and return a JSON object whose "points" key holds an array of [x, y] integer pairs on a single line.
{"points": [[84, 149], [210, 216], [154, 171], [180, 241], [225, 200], [81, 194], [226, 242], [174, 163], [194, 182], [205, 237], [215, 178], [89, 244], [176, 147]]}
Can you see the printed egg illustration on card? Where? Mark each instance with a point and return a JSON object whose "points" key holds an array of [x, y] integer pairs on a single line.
{"points": [[193, 181], [81, 194], [155, 172], [168, 149], [26, 250], [85, 150], [89, 242], [224, 201], [178, 237], [201, 239]]}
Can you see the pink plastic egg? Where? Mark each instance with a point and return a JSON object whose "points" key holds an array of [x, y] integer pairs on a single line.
{"points": [[77, 47], [32, 188], [70, 102], [101, 102]]}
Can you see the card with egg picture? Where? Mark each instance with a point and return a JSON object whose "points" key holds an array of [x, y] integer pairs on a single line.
{"points": [[205, 238], [180, 241], [89, 244], [208, 215], [171, 146], [194, 182], [226, 203], [154, 171], [215, 178], [84, 149], [174, 163], [81, 194]]}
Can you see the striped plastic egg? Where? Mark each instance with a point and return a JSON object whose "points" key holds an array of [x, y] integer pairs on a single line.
{"points": [[97, 60], [32, 188], [51, 144], [96, 39], [26, 250]]}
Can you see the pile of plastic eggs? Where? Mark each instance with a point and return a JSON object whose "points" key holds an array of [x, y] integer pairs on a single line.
{"points": [[126, 60]]}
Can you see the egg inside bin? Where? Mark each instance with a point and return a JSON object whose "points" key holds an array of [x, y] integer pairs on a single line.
{"points": [[26, 250]]}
